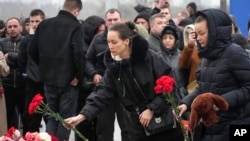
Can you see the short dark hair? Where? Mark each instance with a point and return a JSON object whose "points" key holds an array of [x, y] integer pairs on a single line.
{"points": [[37, 12], [113, 10], [72, 4]]}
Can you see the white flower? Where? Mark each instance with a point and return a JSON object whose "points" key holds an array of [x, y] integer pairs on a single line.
{"points": [[44, 136]]}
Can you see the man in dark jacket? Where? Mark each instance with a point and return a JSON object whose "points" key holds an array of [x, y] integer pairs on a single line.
{"points": [[33, 80], [57, 48], [14, 83], [95, 69]]}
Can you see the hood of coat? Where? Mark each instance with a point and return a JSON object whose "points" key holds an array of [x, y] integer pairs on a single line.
{"points": [[90, 27], [219, 30], [139, 52]]}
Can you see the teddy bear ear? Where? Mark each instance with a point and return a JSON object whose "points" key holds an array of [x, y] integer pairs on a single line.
{"points": [[220, 102], [194, 119]]}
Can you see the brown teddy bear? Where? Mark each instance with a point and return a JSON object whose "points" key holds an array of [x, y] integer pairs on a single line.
{"points": [[203, 107]]}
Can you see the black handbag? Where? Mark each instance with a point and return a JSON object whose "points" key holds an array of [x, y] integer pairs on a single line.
{"points": [[160, 123]]}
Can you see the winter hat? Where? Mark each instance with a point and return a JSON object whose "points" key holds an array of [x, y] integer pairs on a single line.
{"points": [[142, 15], [193, 6], [169, 29], [90, 27]]}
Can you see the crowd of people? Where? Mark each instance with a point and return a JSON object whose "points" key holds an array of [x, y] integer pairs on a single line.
{"points": [[94, 70]]}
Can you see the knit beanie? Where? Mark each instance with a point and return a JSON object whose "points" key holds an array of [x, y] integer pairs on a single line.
{"points": [[169, 29], [142, 15]]}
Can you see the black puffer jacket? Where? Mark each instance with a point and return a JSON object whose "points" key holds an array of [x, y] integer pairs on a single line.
{"points": [[144, 65], [15, 77], [225, 71]]}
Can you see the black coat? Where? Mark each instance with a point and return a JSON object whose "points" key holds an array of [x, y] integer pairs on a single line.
{"points": [[57, 47], [144, 65], [95, 55], [15, 77], [26, 62], [225, 71]]}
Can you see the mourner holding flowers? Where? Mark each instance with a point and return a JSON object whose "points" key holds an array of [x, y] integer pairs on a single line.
{"points": [[132, 71]]}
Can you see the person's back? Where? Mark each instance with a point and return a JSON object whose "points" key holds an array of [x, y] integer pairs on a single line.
{"points": [[54, 43], [57, 47]]}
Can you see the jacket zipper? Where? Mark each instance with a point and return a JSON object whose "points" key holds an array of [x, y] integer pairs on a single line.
{"points": [[14, 69]]}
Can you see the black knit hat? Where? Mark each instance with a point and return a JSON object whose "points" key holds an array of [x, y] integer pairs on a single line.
{"points": [[169, 29], [193, 6], [143, 15]]}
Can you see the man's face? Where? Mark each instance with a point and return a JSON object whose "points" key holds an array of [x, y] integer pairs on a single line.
{"points": [[166, 13], [142, 22], [157, 25], [14, 28], [112, 18], [35, 21]]}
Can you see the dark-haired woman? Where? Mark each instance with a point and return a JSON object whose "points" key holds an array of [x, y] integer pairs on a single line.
{"points": [[131, 74]]}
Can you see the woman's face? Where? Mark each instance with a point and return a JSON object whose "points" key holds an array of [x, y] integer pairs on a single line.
{"points": [[168, 41], [117, 46], [202, 32]]}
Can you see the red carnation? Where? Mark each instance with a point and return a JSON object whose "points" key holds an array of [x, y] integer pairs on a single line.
{"points": [[53, 137], [158, 89], [167, 88], [164, 84], [34, 105], [10, 132]]}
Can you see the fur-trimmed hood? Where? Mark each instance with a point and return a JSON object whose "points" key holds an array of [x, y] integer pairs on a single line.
{"points": [[139, 52]]}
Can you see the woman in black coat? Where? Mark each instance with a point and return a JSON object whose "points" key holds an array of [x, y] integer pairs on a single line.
{"points": [[132, 71], [224, 71]]}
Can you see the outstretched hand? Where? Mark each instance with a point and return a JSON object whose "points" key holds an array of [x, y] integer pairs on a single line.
{"points": [[73, 121]]}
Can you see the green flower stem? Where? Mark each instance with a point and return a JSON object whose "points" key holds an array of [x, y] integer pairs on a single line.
{"points": [[171, 101], [45, 110]]}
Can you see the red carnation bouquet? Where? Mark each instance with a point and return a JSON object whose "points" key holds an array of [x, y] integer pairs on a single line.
{"points": [[38, 106], [165, 85]]}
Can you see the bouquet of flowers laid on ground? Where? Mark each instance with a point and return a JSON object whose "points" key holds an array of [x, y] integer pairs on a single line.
{"points": [[14, 134], [38, 106], [165, 86]]}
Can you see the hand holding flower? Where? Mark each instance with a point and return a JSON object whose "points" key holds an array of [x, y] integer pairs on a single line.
{"points": [[73, 121]]}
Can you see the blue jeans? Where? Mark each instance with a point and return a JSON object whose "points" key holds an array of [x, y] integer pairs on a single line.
{"points": [[62, 101]]}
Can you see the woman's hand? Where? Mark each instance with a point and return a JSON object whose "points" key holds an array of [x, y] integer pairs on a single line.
{"points": [[145, 117], [182, 108], [73, 121]]}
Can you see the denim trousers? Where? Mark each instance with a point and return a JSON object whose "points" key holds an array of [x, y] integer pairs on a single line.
{"points": [[62, 101]]}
